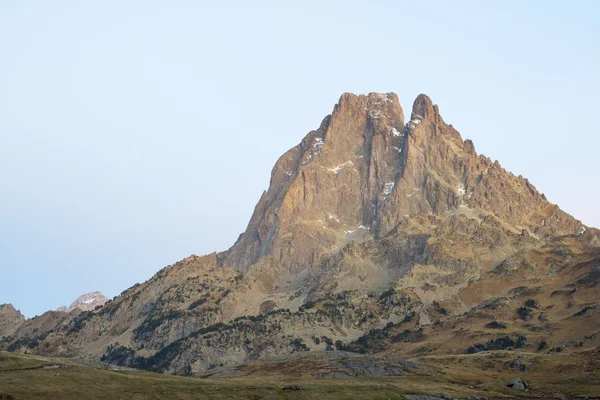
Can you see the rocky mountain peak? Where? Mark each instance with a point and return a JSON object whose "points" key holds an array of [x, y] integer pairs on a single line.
{"points": [[371, 223], [10, 319], [363, 172], [86, 302], [423, 108]]}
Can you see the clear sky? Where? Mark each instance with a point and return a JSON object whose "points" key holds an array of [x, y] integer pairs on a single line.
{"points": [[135, 133]]}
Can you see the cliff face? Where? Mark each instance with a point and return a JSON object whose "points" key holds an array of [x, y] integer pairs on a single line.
{"points": [[371, 222], [10, 319], [366, 172]]}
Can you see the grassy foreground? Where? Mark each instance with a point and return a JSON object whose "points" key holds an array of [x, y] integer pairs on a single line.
{"points": [[31, 377]]}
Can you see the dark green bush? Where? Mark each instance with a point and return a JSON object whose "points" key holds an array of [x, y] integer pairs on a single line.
{"points": [[531, 303], [524, 312], [307, 306], [119, 355], [197, 303], [583, 311], [496, 325]]}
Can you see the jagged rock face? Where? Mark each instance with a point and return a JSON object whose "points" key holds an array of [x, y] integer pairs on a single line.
{"points": [[365, 172], [370, 221], [86, 302], [10, 319]]}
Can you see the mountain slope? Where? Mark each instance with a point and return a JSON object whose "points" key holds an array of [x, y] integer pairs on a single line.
{"points": [[10, 319], [371, 222]]}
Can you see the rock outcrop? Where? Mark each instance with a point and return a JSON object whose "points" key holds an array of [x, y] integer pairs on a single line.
{"points": [[10, 319]]}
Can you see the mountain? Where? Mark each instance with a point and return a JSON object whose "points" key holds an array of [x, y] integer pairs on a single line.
{"points": [[377, 234], [86, 302], [10, 319]]}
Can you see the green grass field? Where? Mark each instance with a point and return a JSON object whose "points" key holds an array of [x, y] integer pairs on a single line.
{"points": [[31, 377]]}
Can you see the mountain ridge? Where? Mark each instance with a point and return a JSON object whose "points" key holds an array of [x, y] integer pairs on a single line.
{"points": [[370, 224], [10, 319]]}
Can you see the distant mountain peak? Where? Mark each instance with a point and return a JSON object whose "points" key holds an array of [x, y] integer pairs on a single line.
{"points": [[10, 319], [86, 302]]}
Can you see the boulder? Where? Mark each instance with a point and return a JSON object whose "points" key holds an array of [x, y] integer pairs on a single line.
{"points": [[521, 364], [517, 384]]}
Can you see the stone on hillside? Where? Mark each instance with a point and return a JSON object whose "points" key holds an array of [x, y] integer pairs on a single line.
{"points": [[521, 364], [517, 384]]}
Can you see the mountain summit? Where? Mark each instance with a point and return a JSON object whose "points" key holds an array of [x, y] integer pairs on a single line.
{"points": [[10, 319], [376, 234], [86, 302], [366, 172]]}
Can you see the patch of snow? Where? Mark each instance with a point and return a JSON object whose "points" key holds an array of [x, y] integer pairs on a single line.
{"points": [[413, 192], [334, 218], [460, 190], [339, 167], [360, 227], [387, 188], [583, 230], [416, 120], [89, 299], [395, 132], [375, 114], [397, 149], [318, 145], [543, 222]]}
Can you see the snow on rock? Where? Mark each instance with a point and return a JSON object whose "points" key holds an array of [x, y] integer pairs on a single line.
{"points": [[340, 167], [318, 145], [334, 217], [86, 302], [416, 120], [375, 114], [395, 132], [387, 188], [413, 192], [360, 227]]}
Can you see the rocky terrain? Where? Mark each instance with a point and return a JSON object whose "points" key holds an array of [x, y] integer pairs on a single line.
{"points": [[86, 302], [378, 234], [10, 319]]}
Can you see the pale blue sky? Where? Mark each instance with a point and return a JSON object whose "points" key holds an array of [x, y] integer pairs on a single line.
{"points": [[134, 133]]}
